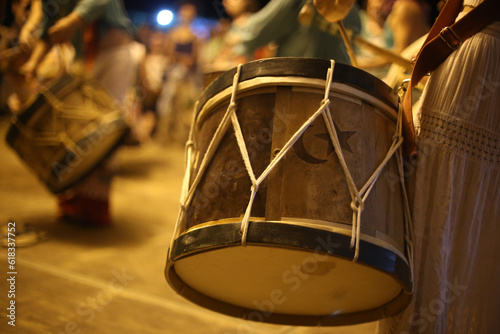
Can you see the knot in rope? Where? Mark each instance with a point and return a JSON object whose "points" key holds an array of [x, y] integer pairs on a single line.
{"points": [[396, 138], [357, 206], [232, 106], [255, 186], [189, 143]]}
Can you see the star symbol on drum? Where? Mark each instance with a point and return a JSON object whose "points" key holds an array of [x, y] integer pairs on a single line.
{"points": [[304, 154]]}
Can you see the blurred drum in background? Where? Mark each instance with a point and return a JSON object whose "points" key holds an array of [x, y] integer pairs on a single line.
{"points": [[266, 225], [66, 131]]}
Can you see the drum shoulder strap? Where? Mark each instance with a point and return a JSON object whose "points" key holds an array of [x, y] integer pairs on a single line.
{"points": [[445, 36]]}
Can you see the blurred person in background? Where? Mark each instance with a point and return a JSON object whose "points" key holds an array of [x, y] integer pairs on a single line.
{"points": [[392, 25], [240, 12], [108, 55], [183, 80], [214, 44], [16, 14], [151, 77], [281, 21], [22, 18]]}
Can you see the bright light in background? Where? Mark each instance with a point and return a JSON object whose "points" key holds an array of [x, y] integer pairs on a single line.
{"points": [[165, 17]]}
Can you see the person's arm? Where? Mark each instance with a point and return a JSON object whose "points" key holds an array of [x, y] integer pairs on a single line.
{"points": [[64, 29], [272, 23], [334, 10], [34, 19], [408, 23], [41, 48], [86, 11]]}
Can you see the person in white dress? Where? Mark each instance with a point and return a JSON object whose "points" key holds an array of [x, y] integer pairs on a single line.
{"points": [[455, 194]]}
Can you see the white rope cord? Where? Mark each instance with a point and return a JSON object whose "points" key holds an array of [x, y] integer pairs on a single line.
{"points": [[188, 166], [241, 140], [273, 163], [187, 191], [188, 158], [357, 202], [246, 218], [214, 143], [358, 196]]}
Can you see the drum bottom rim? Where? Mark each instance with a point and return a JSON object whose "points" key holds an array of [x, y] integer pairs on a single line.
{"points": [[189, 244], [383, 240]]}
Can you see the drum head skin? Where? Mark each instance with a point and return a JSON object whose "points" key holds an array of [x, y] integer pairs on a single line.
{"points": [[297, 265], [288, 275]]}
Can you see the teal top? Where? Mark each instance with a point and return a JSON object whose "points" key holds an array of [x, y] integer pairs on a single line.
{"points": [[111, 14], [108, 13], [278, 22]]}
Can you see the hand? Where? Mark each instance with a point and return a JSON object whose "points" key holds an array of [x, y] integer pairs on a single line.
{"points": [[334, 10], [26, 39], [64, 29], [28, 70]]}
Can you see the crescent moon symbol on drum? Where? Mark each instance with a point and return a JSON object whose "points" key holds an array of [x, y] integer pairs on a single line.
{"points": [[303, 154]]}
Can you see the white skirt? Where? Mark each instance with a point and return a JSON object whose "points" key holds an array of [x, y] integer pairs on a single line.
{"points": [[455, 196]]}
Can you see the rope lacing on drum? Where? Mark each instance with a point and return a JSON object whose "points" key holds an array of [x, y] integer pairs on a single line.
{"points": [[358, 197], [188, 161], [188, 191], [62, 110], [273, 163], [189, 149], [230, 116]]}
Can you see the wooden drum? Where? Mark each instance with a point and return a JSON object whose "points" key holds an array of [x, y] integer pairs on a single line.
{"points": [[66, 131], [293, 263]]}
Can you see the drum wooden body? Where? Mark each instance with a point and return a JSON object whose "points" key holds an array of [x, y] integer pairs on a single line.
{"points": [[67, 130], [296, 267], [210, 76]]}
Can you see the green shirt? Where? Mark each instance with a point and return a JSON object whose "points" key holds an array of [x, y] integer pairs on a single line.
{"points": [[107, 13], [111, 14], [278, 22]]}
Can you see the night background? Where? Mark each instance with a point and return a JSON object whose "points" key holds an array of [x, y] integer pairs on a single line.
{"points": [[146, 10], [206, 8]]}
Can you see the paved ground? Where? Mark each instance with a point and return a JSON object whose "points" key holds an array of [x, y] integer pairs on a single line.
{"points": [[108, 280]]}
